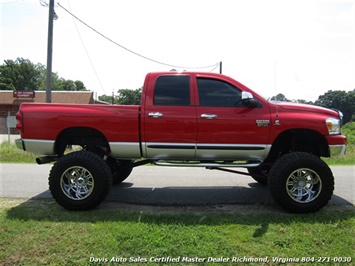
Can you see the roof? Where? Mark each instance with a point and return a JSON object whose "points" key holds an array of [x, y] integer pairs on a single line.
{"points": [[78, 97]]}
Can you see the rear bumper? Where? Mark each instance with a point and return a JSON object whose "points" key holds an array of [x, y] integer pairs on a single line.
{"points": [[19, 144], [337, 150], [37, 146]]}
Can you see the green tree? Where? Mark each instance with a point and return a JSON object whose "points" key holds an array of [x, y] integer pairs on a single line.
{"points": [[340, 100], [350, 108], [79, 86], [57, 82], [303, 101], [20, 74], [61, 84], [280, 97], [129, 97], [124, 97], [108, 99], [68, 85]]}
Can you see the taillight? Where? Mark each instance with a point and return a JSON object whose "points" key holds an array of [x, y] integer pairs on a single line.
{"points": [[19, 124]]}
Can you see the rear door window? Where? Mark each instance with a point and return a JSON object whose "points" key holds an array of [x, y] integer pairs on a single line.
{"points": [[172, 91]]}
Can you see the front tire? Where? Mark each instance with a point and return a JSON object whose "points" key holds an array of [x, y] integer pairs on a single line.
{"points": [[301, 182], [80, 180], [120, 169], [260, 174]]}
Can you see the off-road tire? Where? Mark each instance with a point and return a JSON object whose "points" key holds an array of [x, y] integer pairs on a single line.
{"points": [[301, 182], [80, 180]]}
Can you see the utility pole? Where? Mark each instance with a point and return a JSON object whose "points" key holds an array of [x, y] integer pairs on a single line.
{"points": [[220, 67], [49, 53]]}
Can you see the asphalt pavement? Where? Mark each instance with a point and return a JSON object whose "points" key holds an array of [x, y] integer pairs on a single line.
{"points": [[170, 186]]}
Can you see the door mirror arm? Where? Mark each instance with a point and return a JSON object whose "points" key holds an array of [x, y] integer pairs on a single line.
{"points": [[248, 100]]}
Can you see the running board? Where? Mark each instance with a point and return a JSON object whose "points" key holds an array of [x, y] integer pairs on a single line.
{"points": [[208, 164]]}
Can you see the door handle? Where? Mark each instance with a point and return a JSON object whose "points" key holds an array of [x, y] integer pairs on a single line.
{"points": [[208, 116], [155, 114]]}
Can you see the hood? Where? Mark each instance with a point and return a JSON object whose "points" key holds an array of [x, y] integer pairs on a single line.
{"points": [[307, 108]]}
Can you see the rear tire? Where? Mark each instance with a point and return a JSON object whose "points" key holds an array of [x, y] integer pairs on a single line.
{"points": [[301, 182], [80, 180]]}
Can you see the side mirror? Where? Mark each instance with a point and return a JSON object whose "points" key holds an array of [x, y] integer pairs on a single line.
{"points": [[248, 100], [246, 95]]}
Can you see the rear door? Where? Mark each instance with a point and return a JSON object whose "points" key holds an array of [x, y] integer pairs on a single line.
{"points": [[169, 118], [226, 128]]}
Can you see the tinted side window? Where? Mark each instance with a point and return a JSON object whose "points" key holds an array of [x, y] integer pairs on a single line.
{"points": [[172, 90], [214, 92]]}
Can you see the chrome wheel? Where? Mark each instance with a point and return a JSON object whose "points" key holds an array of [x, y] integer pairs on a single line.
{"points": [[77, 183], [304, 185]]}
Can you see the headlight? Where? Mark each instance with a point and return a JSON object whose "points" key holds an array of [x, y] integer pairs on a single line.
{"points": [[333, 125]]}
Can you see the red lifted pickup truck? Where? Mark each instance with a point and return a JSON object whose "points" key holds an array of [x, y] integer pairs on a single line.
{"points": [[189, 119]]}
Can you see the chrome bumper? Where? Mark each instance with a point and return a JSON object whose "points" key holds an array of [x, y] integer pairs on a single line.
{"points": [[337, 150], [19, 144]]}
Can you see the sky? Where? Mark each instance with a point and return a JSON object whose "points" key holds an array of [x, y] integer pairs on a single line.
{"points": [[300, 48]]}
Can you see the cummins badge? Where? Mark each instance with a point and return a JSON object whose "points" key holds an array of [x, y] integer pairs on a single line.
{"points": [[262, 123]]}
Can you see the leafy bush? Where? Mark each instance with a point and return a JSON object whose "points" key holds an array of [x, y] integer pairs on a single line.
{"points": [[349, 131]]}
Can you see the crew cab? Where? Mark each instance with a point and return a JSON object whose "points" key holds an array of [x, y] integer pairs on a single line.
{"points": [[190, 119]]}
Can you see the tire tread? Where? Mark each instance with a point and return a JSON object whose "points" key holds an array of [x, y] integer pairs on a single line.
{"points": [[98, 168], [284, 166]]}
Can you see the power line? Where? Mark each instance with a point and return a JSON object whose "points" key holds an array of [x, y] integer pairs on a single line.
{"points": [[218, 64], [129, 50], [43, 3], [87, 53]]}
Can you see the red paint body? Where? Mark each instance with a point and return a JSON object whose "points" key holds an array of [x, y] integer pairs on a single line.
{"points": [[180, 124]]}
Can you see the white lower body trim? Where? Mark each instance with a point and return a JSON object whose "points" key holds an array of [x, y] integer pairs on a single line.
{"points": [[39, 146], [125, 150]]}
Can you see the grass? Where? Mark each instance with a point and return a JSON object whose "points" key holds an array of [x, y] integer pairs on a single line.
{"points": [[30, 234], [39, 232], [10, 154]]}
